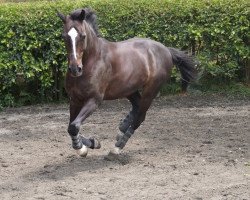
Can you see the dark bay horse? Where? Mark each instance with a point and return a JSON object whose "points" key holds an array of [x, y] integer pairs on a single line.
{"points": [[101, 70]]}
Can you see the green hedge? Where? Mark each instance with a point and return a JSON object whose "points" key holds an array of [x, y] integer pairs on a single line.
{"points": [[32, 55]]}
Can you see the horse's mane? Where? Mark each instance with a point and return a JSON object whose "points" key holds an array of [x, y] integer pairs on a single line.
{"points": [[90, 18]]}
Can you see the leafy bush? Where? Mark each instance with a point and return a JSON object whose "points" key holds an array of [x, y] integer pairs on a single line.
{"points": [[33, 60]]}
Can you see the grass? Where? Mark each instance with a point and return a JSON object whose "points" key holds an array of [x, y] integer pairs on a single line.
{"points": [[227, 89]]}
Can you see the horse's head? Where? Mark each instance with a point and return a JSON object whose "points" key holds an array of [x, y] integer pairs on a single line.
{"points": [[75, 38]]}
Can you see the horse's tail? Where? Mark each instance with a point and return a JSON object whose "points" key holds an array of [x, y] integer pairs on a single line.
{"points": [[186, 65]]}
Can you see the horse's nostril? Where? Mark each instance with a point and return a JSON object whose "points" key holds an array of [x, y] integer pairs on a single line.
{"points": [[79, 69], [75, 69]]}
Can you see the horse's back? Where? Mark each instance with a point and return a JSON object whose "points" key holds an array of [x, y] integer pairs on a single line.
{"points": [[156, 57], [148, 46]]}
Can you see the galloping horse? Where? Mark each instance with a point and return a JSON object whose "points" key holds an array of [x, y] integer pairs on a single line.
{"points": [[101, 70]]}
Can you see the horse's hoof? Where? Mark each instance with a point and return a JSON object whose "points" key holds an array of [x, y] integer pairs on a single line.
{"points": [[83, 151], [113, 154]]}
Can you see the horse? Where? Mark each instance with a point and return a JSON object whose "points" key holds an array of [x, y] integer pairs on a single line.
{"points": [[101, 70]]}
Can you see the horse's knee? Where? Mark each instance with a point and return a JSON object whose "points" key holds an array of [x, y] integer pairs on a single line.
{"points": [[73, 129]]}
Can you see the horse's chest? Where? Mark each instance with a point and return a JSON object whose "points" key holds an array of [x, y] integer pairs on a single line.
{"points": [[78, 90]]}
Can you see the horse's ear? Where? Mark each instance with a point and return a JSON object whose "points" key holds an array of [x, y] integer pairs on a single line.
{"points": [[61, 16], [82, 15]]}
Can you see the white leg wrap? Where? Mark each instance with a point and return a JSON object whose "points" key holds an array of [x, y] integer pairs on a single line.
{"points": [[83, 151]]}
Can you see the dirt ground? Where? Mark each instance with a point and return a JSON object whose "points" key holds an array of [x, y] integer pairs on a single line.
{"points": [[194, 147]]}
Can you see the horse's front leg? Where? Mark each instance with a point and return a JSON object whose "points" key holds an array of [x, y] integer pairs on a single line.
{"points": [[77, 116]]}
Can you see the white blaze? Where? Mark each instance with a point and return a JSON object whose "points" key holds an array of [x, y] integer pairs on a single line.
{"points": [[73, 34]]}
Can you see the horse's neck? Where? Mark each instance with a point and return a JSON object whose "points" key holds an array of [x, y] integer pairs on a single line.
{"points": [[92, 42], [92, 49]]}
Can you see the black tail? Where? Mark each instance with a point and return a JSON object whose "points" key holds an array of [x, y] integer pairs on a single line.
{"points": [[186, 65]]}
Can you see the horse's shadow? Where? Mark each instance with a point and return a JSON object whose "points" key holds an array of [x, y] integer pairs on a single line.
{"points": [[72, 165], [68, 167]]}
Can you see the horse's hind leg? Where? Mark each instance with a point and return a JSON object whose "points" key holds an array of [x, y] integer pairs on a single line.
{"points": [[148, 94], [139, 118], [134, 100]]}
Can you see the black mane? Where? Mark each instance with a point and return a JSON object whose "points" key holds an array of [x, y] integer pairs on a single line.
{"points": [[90, 18]]}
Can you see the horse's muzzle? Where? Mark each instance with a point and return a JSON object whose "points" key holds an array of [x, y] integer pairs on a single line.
{"points": [[75, 70]]}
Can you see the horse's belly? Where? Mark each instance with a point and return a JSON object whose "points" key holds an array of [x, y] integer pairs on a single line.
{"points": [[118, 93], [124, 87]]}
